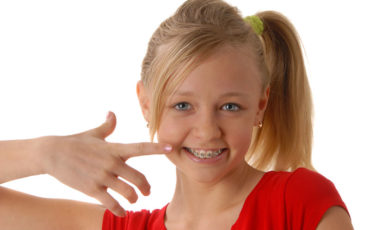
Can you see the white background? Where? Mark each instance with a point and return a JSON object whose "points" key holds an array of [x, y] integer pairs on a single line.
{"points": [[65, 64]]}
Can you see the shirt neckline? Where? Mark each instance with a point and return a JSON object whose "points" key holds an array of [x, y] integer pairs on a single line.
{"points": [[260, 183], [251, 194]]}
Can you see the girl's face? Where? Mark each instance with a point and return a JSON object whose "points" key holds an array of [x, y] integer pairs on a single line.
{"points": [[210, 117]]}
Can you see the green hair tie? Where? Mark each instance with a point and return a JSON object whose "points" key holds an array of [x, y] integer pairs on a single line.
{"points": [[256, 23]]}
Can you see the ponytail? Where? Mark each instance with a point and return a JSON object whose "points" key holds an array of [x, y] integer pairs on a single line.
{"points": [[285, 140]]}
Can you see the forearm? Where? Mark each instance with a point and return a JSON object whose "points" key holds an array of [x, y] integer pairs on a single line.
{"points": [[22, 211], [20, 158]]}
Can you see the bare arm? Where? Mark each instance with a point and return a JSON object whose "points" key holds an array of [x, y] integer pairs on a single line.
{"points": [[335, 218], [19, 158], [19, 211], [83, 161]]}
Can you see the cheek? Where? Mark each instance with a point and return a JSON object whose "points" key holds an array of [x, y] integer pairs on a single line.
{"points": [[239, 135], [244, 140], [171, 131]]}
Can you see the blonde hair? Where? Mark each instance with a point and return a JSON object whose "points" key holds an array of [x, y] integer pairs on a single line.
{"points": [[200, 27]]}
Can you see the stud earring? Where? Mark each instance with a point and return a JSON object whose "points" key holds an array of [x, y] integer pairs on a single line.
{"points": [[147, 124], [260, 124]]}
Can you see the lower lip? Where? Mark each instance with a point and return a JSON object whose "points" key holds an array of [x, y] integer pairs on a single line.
{"points": [[206, 160]]}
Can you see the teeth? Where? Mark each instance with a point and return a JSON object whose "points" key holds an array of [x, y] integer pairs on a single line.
{"points": [[205, 154]]}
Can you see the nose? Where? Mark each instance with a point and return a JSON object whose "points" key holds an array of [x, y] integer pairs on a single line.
{"points": [[206, 126]]}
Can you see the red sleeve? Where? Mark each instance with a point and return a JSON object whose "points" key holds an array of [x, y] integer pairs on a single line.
{"points": [[308, 196], [132, 221]]}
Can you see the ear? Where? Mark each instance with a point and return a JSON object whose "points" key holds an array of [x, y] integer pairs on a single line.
{"points": [[262, 104], [143, 96]]}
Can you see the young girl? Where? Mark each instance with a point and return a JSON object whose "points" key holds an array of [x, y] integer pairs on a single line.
{"points": [[231, 97]]}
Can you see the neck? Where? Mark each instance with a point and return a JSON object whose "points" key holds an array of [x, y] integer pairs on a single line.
{"points": [[194, 200]]}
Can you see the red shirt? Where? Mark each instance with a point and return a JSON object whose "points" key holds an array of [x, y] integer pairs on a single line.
{"points": [[280, 201]]}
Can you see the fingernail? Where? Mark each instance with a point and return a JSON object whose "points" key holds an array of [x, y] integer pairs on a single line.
{"points": [[109, 115], [168, 148]]}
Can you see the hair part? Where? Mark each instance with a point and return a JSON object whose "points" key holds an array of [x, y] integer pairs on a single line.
{"points": [[199, 28]]}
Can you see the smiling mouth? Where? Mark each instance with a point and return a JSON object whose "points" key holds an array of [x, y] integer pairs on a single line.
{"points": [[205, 154]]}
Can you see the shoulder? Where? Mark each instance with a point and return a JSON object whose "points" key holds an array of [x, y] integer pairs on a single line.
{"points": [[335, 218], [300, 184], [307, 184], [308, 196], [292, 200]]}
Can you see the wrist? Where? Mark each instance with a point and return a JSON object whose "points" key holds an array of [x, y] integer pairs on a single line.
{"points": [[40, 154], [20, 158]]}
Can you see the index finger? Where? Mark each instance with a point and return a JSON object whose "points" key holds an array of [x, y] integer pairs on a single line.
{"points": [[140, 149]]}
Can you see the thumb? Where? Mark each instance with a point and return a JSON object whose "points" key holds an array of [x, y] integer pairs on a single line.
{"points": [[105, 129]]}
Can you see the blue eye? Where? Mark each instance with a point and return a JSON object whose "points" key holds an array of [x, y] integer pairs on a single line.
{"points": [[182, 106], [231, 107]]}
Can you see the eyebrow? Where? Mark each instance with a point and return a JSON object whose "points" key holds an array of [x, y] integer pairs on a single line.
{"points": [[228, 94]]}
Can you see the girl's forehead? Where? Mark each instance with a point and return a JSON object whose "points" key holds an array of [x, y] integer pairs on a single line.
{"points": [[226, 68]]}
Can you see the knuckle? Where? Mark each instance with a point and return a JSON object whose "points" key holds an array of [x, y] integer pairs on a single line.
{"points": [[104, 178], [112, 165], [143, 147], [112, 148], [95, 191], [140, 147]]}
